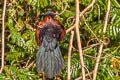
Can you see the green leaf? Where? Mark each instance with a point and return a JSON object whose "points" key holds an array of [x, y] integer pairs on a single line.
{"points": [[20, 11], [10, 22], [19, 25]]}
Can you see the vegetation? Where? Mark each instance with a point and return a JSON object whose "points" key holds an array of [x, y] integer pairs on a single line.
{"points": [[21, 20]]}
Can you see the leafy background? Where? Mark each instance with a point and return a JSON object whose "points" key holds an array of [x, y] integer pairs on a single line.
{"points": [[22, 17]]}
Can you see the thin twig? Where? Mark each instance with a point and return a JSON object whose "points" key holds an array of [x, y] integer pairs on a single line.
{"points": [[92, 3], [30, 57], [101, 46], [83, 12], [85, 75], [100, 41], [30, 65], [98, 17], [90, 10], [66, 5], [89, 42], [78, 37], [21, 26], [71, 28], [91, 30], [93, 45], [117, 3], [69, 54], [72, 17], [3, 35], [88, 73], [111, 53]]}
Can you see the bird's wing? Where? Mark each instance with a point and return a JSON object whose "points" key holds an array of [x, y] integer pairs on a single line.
{"points": [[62, 29], [46, 20], [37, 32], [37, 36]]}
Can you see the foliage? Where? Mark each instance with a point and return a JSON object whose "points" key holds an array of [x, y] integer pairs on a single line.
{"points": [[22, 17]]}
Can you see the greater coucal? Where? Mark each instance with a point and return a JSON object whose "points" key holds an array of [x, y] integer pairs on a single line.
{"points": [[49, 58]]}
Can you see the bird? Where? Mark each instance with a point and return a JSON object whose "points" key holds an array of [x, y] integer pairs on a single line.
{"points": [[48, 57]]}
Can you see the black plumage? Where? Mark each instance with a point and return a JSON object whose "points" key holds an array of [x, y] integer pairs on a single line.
{"points": [[49, 58]]}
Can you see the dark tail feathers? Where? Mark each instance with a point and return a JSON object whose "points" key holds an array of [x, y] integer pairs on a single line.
{"points": [[49, 58]]}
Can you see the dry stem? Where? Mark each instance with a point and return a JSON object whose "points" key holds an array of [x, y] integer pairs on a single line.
{"points": [[101, 46], [30, 65], [92, 3], [69, 54], [85, 75], [3, 36], [78, 38], [71, 28]]}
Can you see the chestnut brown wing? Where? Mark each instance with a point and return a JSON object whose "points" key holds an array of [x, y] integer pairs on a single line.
{"points": [[62, 31], [46, 20], [37, 32], [37, 36]]}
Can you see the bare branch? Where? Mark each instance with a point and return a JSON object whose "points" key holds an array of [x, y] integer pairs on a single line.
{"points": [[85, 75], [73, 21], [69, 54], [92, 3], [117, 3], [30, 65], [66, 5], [93, 45], [88, 73], [98, 17], [101, 46], [78, 37], [90, 29], [3, 35], [30, 57], [71, 28]]}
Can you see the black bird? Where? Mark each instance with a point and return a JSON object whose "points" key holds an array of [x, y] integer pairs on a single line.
{"points": [[49, 58]]}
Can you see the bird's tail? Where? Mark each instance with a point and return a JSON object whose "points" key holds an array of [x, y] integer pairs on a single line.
{"points": [[49, 58]]}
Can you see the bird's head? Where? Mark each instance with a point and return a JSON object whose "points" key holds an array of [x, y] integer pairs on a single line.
{"points": [[50, 13]]}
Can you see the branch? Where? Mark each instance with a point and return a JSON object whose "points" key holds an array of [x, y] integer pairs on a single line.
{"points": [[92, 3], [78, 37], [117, 3], [19, 24], [66, 5], [70, 29], [98, 17], [90, 29], [69, 54], [91, 46], [69, 19], [85, 75], [30, 65], [101, 46], [88, 73], [3, 36], [109, 55]]}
